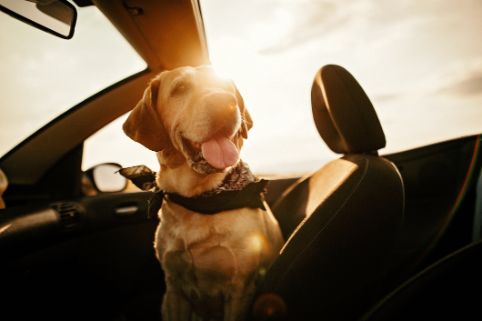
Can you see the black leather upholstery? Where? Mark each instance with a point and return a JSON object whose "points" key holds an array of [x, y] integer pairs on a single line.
{"points": [[343, 220], [447, 290], [343, 113]]}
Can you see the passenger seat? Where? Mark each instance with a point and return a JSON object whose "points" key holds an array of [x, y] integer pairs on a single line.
{"points": [[342, 221]]}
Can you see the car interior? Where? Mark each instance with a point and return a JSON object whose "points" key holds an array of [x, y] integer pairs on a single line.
{"points": [[368, 237]]}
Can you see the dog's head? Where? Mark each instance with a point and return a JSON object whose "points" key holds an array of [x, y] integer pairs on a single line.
{"points": [[190, 113]]}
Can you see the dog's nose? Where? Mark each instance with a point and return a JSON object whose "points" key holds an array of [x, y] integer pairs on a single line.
{"points": [[223, 112], [220, 101]]}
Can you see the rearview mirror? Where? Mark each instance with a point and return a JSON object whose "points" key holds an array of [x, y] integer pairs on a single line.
{"points": [[57, 17]]}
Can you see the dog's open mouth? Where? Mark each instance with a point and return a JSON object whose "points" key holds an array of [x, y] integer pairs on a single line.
{"points": [[213, 155]]}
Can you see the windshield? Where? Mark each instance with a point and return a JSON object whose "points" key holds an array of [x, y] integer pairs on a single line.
{"points": [[43, 75], [420, 62]]}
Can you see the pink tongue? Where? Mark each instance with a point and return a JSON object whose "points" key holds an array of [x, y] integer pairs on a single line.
{"points": [[220, 152]]}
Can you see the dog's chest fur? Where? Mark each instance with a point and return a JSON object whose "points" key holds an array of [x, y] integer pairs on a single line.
{"points": [[207, 257]]}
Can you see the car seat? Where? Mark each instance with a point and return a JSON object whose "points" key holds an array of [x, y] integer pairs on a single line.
{"points": [[342, 221]]}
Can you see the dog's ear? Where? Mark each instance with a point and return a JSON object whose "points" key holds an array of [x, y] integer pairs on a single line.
{"points": [[144, 124], [247, 122]]}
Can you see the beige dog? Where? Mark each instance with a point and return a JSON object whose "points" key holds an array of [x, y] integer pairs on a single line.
{"points": [[196, 122]]}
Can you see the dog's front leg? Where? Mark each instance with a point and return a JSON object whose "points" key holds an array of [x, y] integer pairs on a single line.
{"points": [[238, 301], [175, 307]]}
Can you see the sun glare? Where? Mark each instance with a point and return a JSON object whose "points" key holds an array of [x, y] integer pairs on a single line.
{"points": [[256, 242]]}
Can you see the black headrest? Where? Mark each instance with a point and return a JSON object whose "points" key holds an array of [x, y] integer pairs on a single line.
{"points": [[343, 113]]}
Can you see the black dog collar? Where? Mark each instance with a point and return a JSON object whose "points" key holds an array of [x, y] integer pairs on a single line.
{"points": [[240, 189], [251, 196]]}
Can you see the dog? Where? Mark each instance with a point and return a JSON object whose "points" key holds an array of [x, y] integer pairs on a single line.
{"points": [[196, 122]]}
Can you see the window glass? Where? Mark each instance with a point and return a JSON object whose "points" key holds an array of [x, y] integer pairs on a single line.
{"points": [[110, 144], [43, 75]]}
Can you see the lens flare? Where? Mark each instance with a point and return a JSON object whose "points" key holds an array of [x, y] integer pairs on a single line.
{"points": [[256, 242]]}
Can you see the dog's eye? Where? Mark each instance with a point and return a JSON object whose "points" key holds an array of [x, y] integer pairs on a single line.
{"points": [[179, 88]]}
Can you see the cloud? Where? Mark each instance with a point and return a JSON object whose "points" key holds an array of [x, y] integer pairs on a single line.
{"points": [[469, 85], [315, 20], [462, 80], [388, 97], [312, 19]]}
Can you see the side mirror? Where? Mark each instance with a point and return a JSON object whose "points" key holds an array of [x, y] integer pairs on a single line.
{"points": [[103, 178], [57, 17]]}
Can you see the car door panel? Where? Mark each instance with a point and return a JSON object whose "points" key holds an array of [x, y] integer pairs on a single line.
{"points": [[100, 265], [440, 185]]}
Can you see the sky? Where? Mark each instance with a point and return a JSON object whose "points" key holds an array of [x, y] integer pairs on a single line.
{"points": [[420, 62]]}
